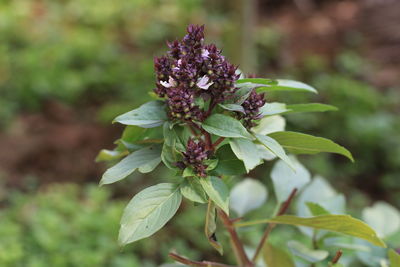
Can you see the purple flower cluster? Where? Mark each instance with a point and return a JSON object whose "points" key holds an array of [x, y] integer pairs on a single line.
{"points": [[251, 108], [195, 155], [190, 70]]}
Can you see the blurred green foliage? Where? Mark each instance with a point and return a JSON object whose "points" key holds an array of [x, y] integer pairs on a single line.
{"points": [[79, 50], [70, 225]]}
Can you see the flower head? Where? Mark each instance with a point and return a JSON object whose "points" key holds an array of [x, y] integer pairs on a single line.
{"points": [[190, 70], [195, 155], [251, 108]]}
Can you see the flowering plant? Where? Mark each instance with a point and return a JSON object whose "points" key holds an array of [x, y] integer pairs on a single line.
{"points": [[210, 122]]}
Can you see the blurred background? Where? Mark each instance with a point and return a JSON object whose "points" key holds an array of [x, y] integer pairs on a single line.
{"points": [[68, 67]]}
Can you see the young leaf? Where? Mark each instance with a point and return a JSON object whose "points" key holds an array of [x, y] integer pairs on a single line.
{"points": [[394, 258], [306, 253], [316, 209], [310, 107], [343, 224], [246, 151], [257, 81], [225, 126], [286, 179], [210, 227], [149, 115], [299, 143], [148, 212], [232, 107], [287, 85], [276, 257], [217, 191], [145, 159], [192, 190], [275, 148], [247, 195]]}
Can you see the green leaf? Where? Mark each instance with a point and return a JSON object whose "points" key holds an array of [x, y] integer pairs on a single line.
{"points": [[241, 94], [171, 146], [232, 107], [149, 211], [343, 224], [275, 148], [192, 190], [382, 217], [306, 253], [287, 85], [259, 81], [108, 155], [188, 172], [310, 107], [145, 159], [211, 164], [247, 195], [269, 125], [228, 164], [394, 258], [246, 151], [149, 115], [276, 257], [217, 191], [273, 108], [316, 209], [210, 227], [286, 179], [225, 126], [299, 143]]}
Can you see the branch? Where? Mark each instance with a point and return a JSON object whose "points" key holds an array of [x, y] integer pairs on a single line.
{"points": [[336, 259], [219, 141], [236, 243], [186, 261], [285, 205]]}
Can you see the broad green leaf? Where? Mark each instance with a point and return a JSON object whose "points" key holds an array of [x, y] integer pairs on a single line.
{"points": [[273, 108], [192, 190], [310, 107], [382, 217], [210, 227], [316, 209], [306, 253], [275, 148], [108, 155], [247, 195], [287, 85], [343, 224], [171, 146], [276, 257], [246, 151], [259, 81], [145, 159], [149, 115], [394, 258], [269, 125], [299, 143], [225, 126], [286, 179], [232, 107], [228, 163], [148, 212], [217, 191], [211, 164]]}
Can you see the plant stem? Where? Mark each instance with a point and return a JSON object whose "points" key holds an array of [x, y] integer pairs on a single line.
{"points": [[336, 259], [219, 141], [285, 205], [186, 261], [241, 256]]}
